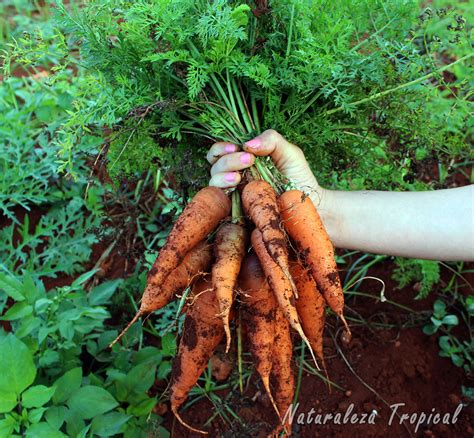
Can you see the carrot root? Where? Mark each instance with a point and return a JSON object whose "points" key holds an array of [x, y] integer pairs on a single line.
{"points": [[266, 385], [303, 224], [347, 330], [176, 414], [138, 315], [281, 289], [229, 251]]}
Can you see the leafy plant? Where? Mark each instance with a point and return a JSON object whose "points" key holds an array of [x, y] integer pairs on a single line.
{"points": [[60, 242], [215, 70], [440, 318], [425, 272], [461, 352], [53, 332]]}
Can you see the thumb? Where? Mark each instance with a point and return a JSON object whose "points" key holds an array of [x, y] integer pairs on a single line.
{"points": [[287, 157]]}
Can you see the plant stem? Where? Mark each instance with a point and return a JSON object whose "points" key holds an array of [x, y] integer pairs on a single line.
{"points": [[254, 171], [237, 214], [267, 176], [231, 94], [357, 46], [219, 91], [401, 87], [255, 114], [246, 106], [210, 107], [260, 167], [305, 107], [240, 102], [393, 303]]}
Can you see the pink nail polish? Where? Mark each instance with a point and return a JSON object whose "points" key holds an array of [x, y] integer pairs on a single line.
{"points": [[229, 148], [230, 177], [254, 143], [245, 158]]}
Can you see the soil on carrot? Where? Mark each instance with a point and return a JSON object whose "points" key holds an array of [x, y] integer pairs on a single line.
{"points": [[390, 366]]}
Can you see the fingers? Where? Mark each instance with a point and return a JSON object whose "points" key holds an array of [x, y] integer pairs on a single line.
{"points": [[225, 180], [232, 162], [219, 149], [284, 154], [288, 158], [227, 163]]}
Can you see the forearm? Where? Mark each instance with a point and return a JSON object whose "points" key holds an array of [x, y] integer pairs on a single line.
{"points": [[434, 225]]}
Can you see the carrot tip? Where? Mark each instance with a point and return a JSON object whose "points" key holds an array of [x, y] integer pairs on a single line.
{"points": [[348, 334], [228, 337], [266, 384], [125, 330], [175, 412], [306, 341]]}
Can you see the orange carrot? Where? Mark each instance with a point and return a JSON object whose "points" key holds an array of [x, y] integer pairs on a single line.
{"points": [[229, 250], [281, 371], [303, 224], [280, 285], [260, 202], [208, 207], [199, 218], [310, 306], [258, 313], [196, 261], [203, 330]]}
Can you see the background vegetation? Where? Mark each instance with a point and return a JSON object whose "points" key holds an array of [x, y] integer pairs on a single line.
{"points": [[91, 178]]}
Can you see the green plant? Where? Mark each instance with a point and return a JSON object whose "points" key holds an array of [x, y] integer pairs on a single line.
{"points": [[425, 272], [461, 352], [23, 16], [347, 83], [60, 378], [32, 110], [60, 242], [54, 333]]}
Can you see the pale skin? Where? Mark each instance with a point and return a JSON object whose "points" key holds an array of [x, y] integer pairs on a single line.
{"points": [[436, 225]]}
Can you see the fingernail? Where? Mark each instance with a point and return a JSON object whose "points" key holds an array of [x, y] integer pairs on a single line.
{"points": [[229, 148], [245, 158], [229, 177], [254, 143]]}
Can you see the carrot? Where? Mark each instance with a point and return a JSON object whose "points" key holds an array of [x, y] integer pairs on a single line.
{"points": [[229, 250], [258, 313], [280, 285], [281, 371], [196, 261], [208, 207], [310, 306], [203, 330], [303, 224], [199, 218], [260, 202]]}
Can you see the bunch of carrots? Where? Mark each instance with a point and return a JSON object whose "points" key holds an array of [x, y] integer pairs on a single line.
{"points": [[231, 255]]}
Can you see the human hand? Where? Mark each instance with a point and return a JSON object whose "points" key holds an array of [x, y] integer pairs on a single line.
{"points": [[228, 162]]}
